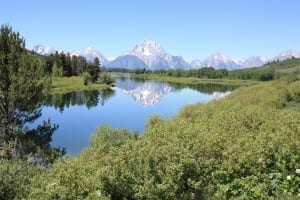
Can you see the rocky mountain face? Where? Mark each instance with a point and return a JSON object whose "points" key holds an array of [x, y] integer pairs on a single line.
{"points": [[127, 61], [150, 55], [155, 57]]}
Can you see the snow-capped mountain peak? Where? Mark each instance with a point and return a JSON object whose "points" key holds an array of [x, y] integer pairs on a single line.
{"points": [[147, 49], [219, 61], [290, 53], [43, 50], [155, 57], [90, 54], [111, 58], [218, 56], [239, 61], [254, 61]]}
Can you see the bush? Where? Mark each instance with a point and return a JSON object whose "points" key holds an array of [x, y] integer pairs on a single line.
{"points": [[16, 178], [106, 78]]}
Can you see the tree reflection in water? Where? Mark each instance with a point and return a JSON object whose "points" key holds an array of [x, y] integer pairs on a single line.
{"points": [[89, 98]]}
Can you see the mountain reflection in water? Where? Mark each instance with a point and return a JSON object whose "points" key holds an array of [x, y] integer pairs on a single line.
{"points": [[127, 106], [148, 92]]}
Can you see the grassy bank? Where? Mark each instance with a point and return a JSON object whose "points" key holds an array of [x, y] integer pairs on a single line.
{"points": [[74, 83], [193, 80]]}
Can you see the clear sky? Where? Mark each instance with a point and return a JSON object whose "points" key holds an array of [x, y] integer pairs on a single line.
{"points": [[190, 28]]}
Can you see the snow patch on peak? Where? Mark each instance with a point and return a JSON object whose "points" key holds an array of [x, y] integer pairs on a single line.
{"points": [[290, 53], [91, 53], [43, 50], [219, 56], [155, 57], [111, 58], [219, 61]]}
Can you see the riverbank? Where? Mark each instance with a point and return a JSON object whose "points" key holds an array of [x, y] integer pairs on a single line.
{"points": [[192, 80], [74, 83]]}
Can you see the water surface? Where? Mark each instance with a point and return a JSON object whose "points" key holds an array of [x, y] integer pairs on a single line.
{"points": [[127, 106]]}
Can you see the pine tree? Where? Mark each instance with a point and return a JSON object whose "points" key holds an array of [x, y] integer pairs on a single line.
{"points": [[23, 84], [94, 69]]}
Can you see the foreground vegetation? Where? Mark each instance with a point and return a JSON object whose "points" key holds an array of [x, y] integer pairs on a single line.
{"points": [[244, 146]]}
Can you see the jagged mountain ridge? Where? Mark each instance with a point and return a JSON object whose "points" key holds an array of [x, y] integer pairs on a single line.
{"points": [[156, 57], [150, 55]]}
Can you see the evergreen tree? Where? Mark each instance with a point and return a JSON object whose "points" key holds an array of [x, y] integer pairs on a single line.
{"points": [[67, 66], [81, 65], [23, 84], [74, 65], [94, 69]]}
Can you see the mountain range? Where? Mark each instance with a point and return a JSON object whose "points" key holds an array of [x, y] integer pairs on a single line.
{"points": [[151, 55]]}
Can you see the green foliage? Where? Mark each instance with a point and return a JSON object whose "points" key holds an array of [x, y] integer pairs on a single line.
{"points": [[86, 77], [106, 78], [268, 72], [57, 71], [81, 178], [74, 83], [140, 71], [16, 178], [89, 98], [94, 70], [24, 83], [246, 146]]}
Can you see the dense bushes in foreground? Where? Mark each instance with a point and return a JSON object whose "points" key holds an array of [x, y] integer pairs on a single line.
{"points": [[246, 146]]}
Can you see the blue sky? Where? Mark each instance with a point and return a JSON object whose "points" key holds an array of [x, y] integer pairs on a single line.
{"points": [[190, 28]]}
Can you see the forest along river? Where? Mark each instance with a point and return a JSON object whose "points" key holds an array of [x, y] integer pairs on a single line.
{"points": [[126, 106]]}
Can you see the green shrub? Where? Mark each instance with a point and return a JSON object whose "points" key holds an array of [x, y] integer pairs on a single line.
{"points": [[245, 146], [106, 78], [16, 178]]}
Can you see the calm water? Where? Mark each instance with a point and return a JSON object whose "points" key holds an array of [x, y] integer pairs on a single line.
{"points": [[128, 106]]}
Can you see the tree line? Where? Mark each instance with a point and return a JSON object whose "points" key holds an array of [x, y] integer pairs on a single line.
{"points": [[261, 74], [64, 65]]}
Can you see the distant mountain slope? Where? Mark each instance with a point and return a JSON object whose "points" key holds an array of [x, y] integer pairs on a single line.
{"points": [[128, 62]]}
